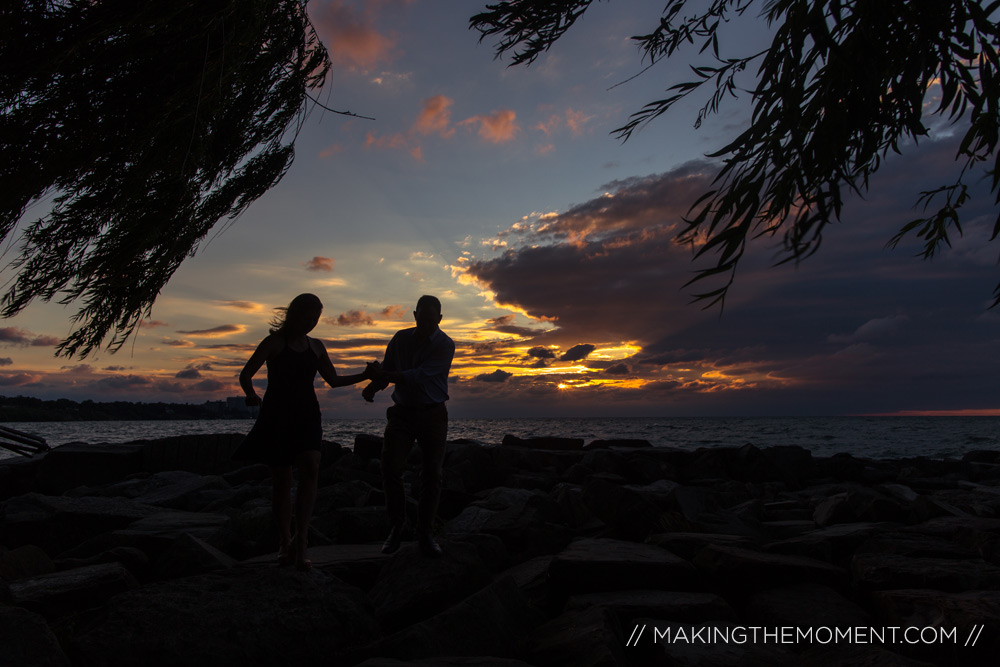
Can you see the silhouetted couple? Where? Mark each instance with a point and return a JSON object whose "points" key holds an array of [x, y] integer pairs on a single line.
{"points": [[289, 431]]}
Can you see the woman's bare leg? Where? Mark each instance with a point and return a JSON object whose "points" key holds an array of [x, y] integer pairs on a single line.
{"points": [[307, 464], [281, 505]]}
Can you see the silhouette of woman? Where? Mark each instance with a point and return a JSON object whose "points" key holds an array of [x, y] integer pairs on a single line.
{"points": [[288, 429]]}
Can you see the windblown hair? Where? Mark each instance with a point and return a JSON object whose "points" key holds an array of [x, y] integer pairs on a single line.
{"points": [[300, 303]]}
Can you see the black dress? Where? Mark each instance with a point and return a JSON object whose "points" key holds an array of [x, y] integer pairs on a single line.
{"points": [[289, 421]]}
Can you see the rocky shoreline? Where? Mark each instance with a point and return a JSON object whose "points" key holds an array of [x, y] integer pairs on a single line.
{"points": [[557, 552]]}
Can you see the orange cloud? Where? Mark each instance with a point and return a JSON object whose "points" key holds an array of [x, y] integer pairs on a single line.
{"points": [[331, 150], [497, 127], [216, 332], [351, 37], [435, 116], [320, 264]]}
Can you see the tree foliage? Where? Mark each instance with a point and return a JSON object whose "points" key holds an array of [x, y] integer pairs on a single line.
{"points": [[843, 83], [146, 123]]}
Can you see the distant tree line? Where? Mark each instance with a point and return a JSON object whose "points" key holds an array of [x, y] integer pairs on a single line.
{"points": [[29, 409]]}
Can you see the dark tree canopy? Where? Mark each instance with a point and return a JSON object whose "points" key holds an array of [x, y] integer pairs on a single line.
{"points": [[842, 83], [148, 122]]}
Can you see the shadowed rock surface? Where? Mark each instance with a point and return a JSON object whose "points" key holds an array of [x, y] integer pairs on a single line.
{"points": [[556, 552]]}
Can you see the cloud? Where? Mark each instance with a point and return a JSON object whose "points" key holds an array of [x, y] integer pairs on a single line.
{"points": [[152, 324], [577, 352], [350, 36], [320, 264], [6, 361], [352, 318], [617, 369], [882, 327], [541, 352], [188, 374], [176, 343], [18, 380], [114, 368], [497, 127], [248, 306], [23, 337], [504, 324], [122, 382], [216, 332], [394, 312], [498, 375], [210, 385], [435, 117]]}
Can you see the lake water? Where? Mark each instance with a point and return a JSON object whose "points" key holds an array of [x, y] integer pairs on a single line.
{"points": [[873, 437]]}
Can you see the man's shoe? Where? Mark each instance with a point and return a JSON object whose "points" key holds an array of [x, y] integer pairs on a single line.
{"points": [[429, 546], [391, 544]]}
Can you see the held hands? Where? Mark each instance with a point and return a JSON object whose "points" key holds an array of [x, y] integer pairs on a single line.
{"points": [[372, 370]]}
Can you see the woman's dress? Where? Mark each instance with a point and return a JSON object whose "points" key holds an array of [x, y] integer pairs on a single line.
{"points": [[289, 421]]}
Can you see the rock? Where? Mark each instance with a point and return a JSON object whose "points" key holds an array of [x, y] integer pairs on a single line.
{"points": [[972, 616], [856, 656], [353, 525], [74, 464], [598, 564], [562, 444], [18, 475], [401, 598], [187, 556], [132, 559], [585, 637], [180, 490], [630, 511], [743, 570], [368, 446], [692, 607], [240, 617], [524, 519], [58, 523], [61, 593], [618, 442], [883, 571], [687, 545], [24, 562], [251, 473], [835, 544], [805, 605], [208, 454], [27, 640], [492, 621], [573, 510], [532, 577]]}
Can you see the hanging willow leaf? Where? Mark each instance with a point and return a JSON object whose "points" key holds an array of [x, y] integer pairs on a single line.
{"points": [[148, 122], [842, 83]]}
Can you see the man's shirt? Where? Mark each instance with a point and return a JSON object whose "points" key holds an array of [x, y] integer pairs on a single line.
{"points": [[424, 365]]}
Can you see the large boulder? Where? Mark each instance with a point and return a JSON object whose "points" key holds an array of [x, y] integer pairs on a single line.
{"points": [[745, 570], [27, 640], [883, 571], [76, 464], [61, 593], [583, 637], [492, 621], [238, 618], [58, 523], [413, 587], [600, 564]]}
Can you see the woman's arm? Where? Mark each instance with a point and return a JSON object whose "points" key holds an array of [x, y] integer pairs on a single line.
{"points": [[329, 373], [263, 352]]}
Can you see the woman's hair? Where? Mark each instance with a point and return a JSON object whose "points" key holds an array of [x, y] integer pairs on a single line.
{"points": [[299, 304]]}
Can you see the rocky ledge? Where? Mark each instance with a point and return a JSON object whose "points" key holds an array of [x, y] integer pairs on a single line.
{"points": [[555, 553]]}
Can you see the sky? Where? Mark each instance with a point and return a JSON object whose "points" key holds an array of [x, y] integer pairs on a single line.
{"points": [[551, 244]]}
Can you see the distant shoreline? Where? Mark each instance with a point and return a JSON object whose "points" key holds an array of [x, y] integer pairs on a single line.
{"points": [[28, 409]]}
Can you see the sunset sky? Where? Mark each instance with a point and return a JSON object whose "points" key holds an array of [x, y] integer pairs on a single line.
{"points": [[551, 245]]}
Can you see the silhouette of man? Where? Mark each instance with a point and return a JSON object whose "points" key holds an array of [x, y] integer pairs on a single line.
{"points": [[417, 361]]}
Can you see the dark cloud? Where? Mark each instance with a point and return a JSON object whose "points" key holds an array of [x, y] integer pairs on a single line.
{"points": [[114, 368], [320, 264], [122, 382], [23, 337], [18, 380], [210, 385], [617, 369], [6, 361], [577, 352], [215, 332], [188, 374], [173, 342], [851, 327], [498, 375], [540, 352]]}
